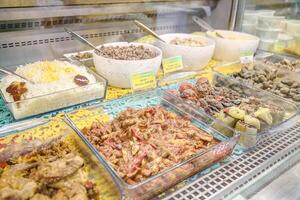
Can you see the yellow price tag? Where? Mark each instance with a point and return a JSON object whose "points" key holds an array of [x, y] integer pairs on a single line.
{"points": [[146, 39], [172, 64], [246, 57], [143, 81]]}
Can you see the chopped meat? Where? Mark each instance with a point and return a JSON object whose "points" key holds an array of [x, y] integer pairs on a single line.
{"points": [[211, 99], [25, 192], [48, 172], [16, 90], [58, 169], [14, 187], [18, 149], [72, 191], [143, 142], [40, 197]]}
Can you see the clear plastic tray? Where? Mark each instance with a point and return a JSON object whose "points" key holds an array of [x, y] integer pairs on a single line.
{"points": [[60, 99], [169, 177], [29, 141], [247, 141], [235, 67]]}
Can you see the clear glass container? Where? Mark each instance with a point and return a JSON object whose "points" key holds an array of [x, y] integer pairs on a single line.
{"points": [[56, 100], [248, 140], [179, 171], [282, 67], [42, 144]]}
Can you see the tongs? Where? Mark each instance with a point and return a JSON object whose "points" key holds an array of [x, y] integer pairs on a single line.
{"points": [[81, 39], [6, 71], [148, 30], [206, 26]]}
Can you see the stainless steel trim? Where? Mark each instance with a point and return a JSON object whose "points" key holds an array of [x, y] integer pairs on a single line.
{"points": [[239, 15], [233, 15], [237, 175]]}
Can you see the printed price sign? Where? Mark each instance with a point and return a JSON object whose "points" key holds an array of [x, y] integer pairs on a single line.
{"points": [[143, 81], [146, 39], [246, 57], [172, 64]]}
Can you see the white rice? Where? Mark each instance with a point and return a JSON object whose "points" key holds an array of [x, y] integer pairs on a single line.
{"points": [[43, 74], [50, 79]]}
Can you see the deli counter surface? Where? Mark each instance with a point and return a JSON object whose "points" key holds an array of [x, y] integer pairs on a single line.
{"points": [[149, 100]]}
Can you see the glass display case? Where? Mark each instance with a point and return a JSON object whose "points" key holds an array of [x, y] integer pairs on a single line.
{"points": [[276, 23], [231, 69], [38, 26]]}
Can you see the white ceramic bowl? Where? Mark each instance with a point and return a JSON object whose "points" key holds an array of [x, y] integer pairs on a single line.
{"points": [[194, 58], [231, 49], [118, 72]]}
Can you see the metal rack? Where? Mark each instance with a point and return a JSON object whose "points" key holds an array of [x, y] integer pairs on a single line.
{"points": [[247, 173]]}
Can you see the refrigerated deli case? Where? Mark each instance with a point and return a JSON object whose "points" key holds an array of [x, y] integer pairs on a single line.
{"points": [[69, 105]]}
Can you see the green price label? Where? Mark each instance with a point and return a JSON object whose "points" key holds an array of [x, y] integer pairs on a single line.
{"points": [[246, 57], [172, 64], [143, 81], [146, 39]]}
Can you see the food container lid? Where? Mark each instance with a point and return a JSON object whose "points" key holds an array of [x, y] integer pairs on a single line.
{"points": [[260, 12], [266, 17], [269, 41], [268, 30], [248, 24], [293, 21], [284, 37]]}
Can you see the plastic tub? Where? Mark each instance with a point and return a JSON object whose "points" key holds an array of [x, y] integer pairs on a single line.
{"points": [[285, 40], [267, 34], [248, 140], [118, 72], [249, 28], [297, 40], [46, 143], [266, 12], [55, 100], [293, 27], [194, 58], [163, 180], [233, 45], [270, 22], [251, 16], [267, 45]]}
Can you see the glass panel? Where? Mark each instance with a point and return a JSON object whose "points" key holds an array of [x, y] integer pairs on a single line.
{"points": [[276, 23], [38, 26]]}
